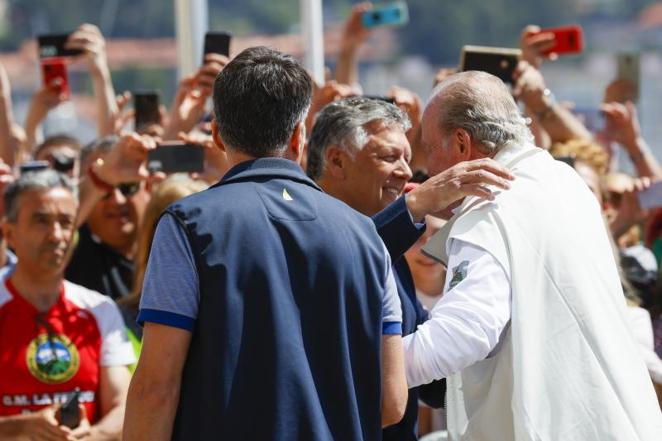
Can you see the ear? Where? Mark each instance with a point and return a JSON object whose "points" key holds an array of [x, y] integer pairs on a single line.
{"points": [[8, 232], [297, 143], [462, 143], [216, 136], [335, 162]]}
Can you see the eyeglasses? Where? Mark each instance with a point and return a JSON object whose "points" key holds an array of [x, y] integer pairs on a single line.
{"points": [[127, 189]]}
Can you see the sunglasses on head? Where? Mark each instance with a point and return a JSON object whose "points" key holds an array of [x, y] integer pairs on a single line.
{"points": [[127, 189]]}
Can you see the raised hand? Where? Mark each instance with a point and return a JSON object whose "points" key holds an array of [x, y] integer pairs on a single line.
{"points": [[88, 39], [622, 123], [534, 44], [470, 178], [127, 161]]}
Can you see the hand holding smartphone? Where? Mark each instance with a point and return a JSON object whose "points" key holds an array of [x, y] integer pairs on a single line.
{"points": [[69, 413], [52, 57]]}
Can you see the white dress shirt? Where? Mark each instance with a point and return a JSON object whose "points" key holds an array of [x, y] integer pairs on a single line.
{"points": [[466, 324]]}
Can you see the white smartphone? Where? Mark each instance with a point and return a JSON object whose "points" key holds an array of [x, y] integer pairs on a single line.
{"points": [[629, 68]]}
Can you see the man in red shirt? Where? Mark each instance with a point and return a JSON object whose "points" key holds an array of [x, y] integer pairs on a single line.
{"points": [[55, 336]]}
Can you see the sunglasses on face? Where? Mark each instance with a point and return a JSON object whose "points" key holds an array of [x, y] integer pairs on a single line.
{"points": [[127, 190]]}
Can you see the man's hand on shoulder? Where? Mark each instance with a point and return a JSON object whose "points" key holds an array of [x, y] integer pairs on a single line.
{"points": [[470, 178]]}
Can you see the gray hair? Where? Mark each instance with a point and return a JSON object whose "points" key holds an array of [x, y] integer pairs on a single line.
{"points": [[41, 180], [482, 105], [342, 123]]}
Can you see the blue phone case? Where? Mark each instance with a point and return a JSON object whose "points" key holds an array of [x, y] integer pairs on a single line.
{"points": [[392, 14]]}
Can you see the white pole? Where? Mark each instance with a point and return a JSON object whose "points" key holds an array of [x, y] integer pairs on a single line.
{"points": [[191, 21], [313, 37]]}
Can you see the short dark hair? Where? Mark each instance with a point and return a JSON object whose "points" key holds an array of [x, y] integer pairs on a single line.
{"points": [[259, 98], [38, 180]]}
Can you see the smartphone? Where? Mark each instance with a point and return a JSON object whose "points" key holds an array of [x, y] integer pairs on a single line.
{"points": [[498, 61], [629, 68], [569, 40], [651, 197], [388, 14], [56, 69], [175, 157], [147, 113], [217, 43], [33, 166], [52, 45], [69, 414], [386, 99]]}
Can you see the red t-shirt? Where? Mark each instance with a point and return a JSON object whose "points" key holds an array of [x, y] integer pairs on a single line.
{"points": [[45, 356]]}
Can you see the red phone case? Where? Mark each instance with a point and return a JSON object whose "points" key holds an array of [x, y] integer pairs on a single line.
{"points": [[56, 68], [569, 40]]}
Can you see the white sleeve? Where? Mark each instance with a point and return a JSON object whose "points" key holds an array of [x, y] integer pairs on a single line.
{"points": [[466, 324], [116, 349], [641, 327]]}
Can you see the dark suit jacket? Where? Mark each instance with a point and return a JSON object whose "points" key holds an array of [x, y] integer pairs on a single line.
{"points": [[397, 230]]}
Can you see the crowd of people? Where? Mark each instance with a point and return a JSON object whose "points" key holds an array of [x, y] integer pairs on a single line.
{"points": [[294, 289]]}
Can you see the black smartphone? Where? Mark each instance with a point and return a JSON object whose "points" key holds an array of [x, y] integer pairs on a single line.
{"points": [[33, 166], [146, 106], [69, 414], [175, 157], [498, 61], [52, 45], [217, 43]]}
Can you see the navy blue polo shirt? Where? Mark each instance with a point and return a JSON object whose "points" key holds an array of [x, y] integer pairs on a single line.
{"points": [[287, 292]]}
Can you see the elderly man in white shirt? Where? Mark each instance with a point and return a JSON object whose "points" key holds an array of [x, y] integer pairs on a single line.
{"points": [[531, 331]]}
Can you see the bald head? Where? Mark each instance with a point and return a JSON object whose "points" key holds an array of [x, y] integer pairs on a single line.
{"points": [[482, 105]]}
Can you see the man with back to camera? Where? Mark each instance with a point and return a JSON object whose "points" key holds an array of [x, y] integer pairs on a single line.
{"points": [[531, 332], [55, 336], [263, 296], [359, 153]]}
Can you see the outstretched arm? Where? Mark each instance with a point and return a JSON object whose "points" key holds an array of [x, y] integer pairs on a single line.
{"points": [[154, 391]]}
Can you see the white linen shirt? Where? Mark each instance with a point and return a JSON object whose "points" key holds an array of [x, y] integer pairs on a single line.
{"points": [[465, 325]]}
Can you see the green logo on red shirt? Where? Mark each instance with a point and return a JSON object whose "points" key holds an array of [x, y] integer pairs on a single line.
{"points": [[52, 359]]}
